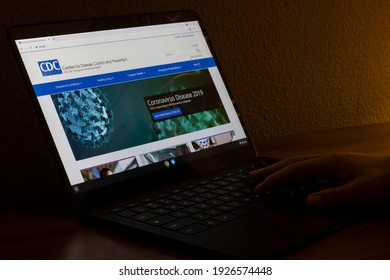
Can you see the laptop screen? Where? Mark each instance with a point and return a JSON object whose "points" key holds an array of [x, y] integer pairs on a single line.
{"points": [[130, 100]]}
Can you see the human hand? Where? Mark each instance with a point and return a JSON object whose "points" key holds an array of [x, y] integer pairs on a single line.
{"points": [[364, 178]]}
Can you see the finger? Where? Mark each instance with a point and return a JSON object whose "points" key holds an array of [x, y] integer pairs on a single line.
{"points": [[333, 197], [266, 171], [305, 169]]}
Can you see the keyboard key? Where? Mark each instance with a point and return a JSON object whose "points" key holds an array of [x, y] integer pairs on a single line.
{"points": [[131, 205], [225, 208], [197, 199], [179, 214], [236, 203], [188, 194], [211, 223], [147, 200], [139, 209], [225, 217], [227, 198], [191, 210], [211, 186], [180, 223], [241, 184], [194, 229], [204, 182], [185, 203], [204, 206], [231, 188], [232, 179], [152, 205], [247, 190], [200, 190], [191, 186], [176, 197], [215, 202], [237, 194], [209, 195], [250, 198], [213, 212], [117, 209], [161, 211], [201, 216], [242, 176], [222, 183], [164, 201], [125, 213], [173, 207], [159, 221], [144, 216], [248, 181], [220, 191]]}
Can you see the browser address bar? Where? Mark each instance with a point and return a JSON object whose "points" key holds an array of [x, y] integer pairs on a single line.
{"points": [[90, 40], [132, 33], [109, 36]]}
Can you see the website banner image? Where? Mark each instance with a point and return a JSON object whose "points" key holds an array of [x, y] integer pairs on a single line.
{"points": [[100, 120]]}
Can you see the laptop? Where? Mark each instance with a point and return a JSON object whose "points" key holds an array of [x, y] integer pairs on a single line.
{"points": [[148, 137]]}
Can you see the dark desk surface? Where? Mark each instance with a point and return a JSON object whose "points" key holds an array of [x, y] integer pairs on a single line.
{"points": [[36, 233]]}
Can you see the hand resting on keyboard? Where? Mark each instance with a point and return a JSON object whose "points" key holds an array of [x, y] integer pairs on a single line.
{"points": [[361, 178]]}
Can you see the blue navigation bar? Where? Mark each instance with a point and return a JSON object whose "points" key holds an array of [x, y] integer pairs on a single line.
{"points": [[123, 76]]}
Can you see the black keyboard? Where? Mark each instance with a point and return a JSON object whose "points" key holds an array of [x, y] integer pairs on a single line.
{"points": [[209, 203]]}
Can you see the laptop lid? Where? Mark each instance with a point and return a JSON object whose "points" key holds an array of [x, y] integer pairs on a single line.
{"points": [[129, 97]]}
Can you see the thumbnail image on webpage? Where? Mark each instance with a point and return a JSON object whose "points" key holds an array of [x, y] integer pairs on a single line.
{"points": [[110, 118], [166, 155]]}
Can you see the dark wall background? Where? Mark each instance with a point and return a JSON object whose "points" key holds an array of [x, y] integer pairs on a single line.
{"points": [[294, 66]]}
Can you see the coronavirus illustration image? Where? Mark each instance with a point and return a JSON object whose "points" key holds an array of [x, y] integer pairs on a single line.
{"points": [[85, 116]]}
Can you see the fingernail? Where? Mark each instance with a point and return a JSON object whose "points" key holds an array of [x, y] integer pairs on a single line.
{"points": [[315, 202]]}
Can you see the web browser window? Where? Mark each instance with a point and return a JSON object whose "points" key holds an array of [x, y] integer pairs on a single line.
{"points": [[119, 100]]}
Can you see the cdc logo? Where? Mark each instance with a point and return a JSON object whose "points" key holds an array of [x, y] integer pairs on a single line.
{"points": [[50, 67]]}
